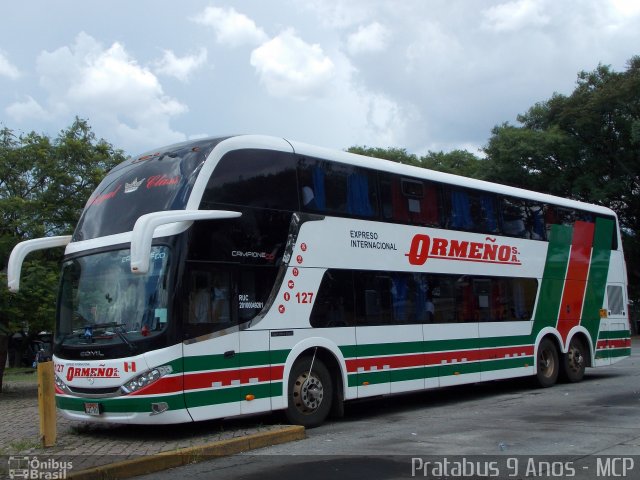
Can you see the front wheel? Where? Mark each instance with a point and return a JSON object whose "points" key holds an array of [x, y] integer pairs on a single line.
{"points": [[574, 361], [547, 363], [310, 392]]}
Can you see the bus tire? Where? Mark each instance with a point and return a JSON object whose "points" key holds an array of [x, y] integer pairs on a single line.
{"points": [[574, 362], [310, 392], [547, 363]]}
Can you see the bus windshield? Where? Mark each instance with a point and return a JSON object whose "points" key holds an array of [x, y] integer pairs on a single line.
{"points": [[103, 303], [148, 183]]}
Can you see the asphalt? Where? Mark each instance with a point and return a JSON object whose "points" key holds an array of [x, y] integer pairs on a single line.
{"points": [[97, 451]]}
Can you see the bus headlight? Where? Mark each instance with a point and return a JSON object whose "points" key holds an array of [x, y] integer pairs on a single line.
{"points": [[61, 385], [146, 379]]}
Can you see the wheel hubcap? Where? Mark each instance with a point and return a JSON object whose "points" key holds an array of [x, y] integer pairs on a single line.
{"points": [[308, 392], [576, 360], [546, 363]]}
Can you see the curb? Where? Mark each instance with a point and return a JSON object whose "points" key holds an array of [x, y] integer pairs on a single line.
{"points": [[189, 455]]}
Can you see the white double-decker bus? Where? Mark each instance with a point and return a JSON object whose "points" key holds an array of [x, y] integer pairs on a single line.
{"points": [[245, 274]]}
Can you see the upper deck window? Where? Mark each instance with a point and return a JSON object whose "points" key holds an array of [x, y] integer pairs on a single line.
{"points": [[331, 187], [254, 178]]}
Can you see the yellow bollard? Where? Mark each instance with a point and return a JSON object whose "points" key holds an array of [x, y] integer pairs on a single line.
{"points": [[47, 404]]}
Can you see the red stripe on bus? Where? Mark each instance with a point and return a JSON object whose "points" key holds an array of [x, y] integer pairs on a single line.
{"points": [[163, 385], [576, 278], [238, 377], [616, 343], [436, 358]]}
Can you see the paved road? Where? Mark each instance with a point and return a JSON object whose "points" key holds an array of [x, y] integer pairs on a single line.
{"points": [[493, 422]]}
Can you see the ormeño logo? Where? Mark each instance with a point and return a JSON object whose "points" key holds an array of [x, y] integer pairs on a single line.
{"points": [[424, 247]]}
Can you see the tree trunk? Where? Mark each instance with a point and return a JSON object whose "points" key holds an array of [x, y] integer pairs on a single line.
{"points": [[4, 346]]}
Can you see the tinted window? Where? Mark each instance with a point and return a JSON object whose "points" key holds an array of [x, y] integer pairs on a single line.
{"points": [[388, 298], [471, 210], [254, 178], [220, 297], [521, 218], [152, 182], [257, 237], [329, 187], [333, 306], [406, 200]]}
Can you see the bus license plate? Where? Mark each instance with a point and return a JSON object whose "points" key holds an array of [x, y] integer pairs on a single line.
{"points": [[92, 408]]}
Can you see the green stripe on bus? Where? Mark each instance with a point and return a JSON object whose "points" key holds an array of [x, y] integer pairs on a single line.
{"points": [[597, 280], [121, 405], [229, 395], [379, 349], [614, 334], [430, 346], [240, 360], [400, 375], [555, 269], [507, 363], [613, 353]]}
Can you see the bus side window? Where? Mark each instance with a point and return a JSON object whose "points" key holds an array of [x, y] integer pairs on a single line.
{"points": [[200, 298], [331, 187], [253, 178], [472, 211], [209, 301], [254, 287], [535, 221], [412, 201], [333, 306], [514, 217]]}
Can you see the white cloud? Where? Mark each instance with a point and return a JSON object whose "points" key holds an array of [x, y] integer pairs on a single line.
{"points": [[231, 28], [27, 110], [371, 38], [339, 13], [516, 15], [107, 86], [7, 69], [626, 7], [386, 119], [180, 67], [289, 67]]}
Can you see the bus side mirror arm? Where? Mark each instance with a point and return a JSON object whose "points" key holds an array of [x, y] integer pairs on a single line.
{"points": [[146, 225], [22, 249]]}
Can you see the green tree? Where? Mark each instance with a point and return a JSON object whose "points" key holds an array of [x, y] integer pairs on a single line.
{"points": [[399, 155], [458, 162], [584, 146], [44, 185]]}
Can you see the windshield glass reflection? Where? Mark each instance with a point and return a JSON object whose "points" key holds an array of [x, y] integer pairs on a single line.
{"points": [[102, 302]]}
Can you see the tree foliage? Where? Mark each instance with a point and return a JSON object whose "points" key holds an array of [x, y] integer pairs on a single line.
{"points": [[44, 184], [458, 162]]}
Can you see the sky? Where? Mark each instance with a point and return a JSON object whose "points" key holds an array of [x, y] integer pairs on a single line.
{"points": [[425, 75]]}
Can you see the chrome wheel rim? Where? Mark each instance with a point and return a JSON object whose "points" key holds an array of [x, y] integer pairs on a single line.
{"points": [[308, 392]]}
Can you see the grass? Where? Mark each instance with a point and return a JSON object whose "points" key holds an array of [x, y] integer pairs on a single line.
{"points": [[22, 374], [23, 445]]}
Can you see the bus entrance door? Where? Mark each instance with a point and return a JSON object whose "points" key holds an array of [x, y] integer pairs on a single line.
{"points": [[212, 381]]}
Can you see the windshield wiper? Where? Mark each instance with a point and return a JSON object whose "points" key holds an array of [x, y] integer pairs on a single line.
{"points": [[118, 330], [123, 336]]}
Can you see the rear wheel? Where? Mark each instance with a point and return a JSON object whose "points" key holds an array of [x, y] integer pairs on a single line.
{"points": [[547, 363], [574, 361], [310, 392]]}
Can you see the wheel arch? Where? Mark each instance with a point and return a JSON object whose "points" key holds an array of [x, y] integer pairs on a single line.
{"points": [[583, 335], [554, 336], [326, 351]]}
